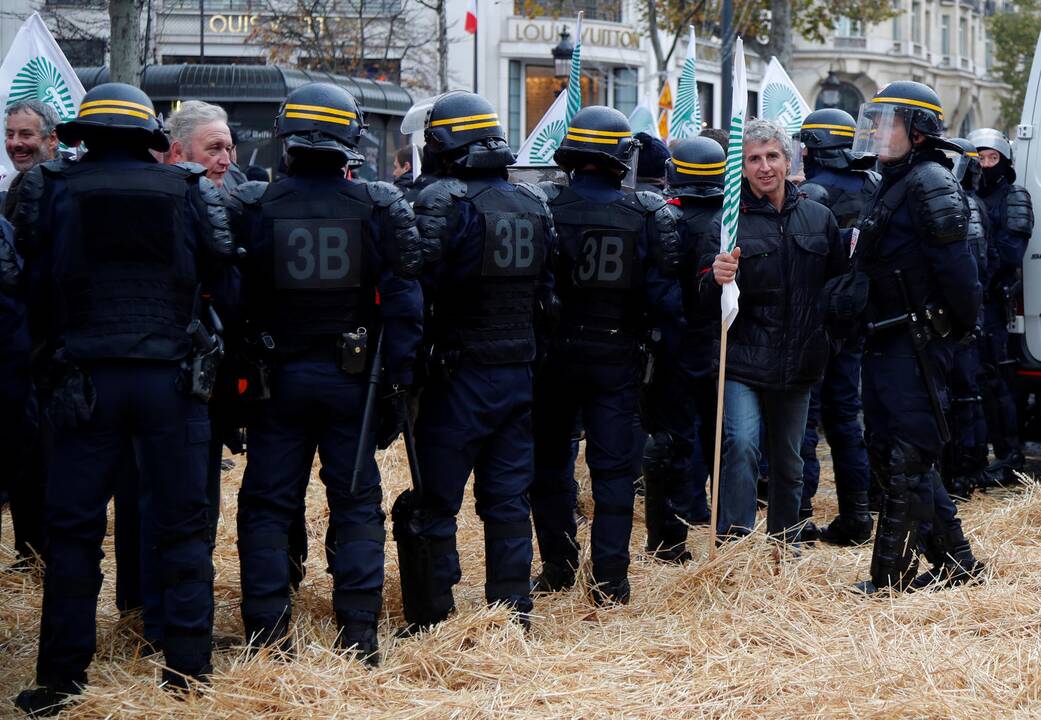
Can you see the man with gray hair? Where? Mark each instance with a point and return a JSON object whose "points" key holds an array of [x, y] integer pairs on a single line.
{"points": [[29, 137], [199, 133], [787, 248]]}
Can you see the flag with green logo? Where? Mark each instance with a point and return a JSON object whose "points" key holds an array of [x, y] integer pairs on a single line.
{"points": [[686, 116], [780, 100], [732, 179], [544, 140], [35, 68]]}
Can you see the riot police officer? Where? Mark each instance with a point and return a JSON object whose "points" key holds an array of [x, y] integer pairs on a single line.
{"points": [[331, 266], [923, 294], [966, 454], [486, 242], [680, 408], [616, 251], [1011, 216], [835, 179], [120, 249]]}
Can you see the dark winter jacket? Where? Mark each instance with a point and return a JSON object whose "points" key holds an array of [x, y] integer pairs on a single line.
{"points": [[778, 340]]}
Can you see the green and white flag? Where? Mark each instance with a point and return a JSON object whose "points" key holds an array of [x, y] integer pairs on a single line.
{"points": [[780, 100], [36, 69], [732, 179], [643, 118], [539, 146], [686, 116]]}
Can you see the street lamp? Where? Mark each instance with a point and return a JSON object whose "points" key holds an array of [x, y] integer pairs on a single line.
{"points": [[562, 55], [830, 87]]}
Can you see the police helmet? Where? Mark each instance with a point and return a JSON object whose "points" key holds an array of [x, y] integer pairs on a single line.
{"points": [[696, 169], [463, 129], [967, 166], [118, 107], [828, 128], [321, 118], [916, 105], [991, 139], [600, 136]]}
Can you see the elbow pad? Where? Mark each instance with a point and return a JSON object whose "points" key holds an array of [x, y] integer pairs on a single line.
{"points": [[434, 214], [407, 255]]}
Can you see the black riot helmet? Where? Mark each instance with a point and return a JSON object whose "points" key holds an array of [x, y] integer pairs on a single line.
{"points": [[600, 136], [827, 136], [967, 168], [916, 106], [118, 111], [321, 118], [696, 169], [461, 129]]}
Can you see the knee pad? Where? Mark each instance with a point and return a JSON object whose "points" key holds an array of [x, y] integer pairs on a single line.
{"points": [[425, 600]]}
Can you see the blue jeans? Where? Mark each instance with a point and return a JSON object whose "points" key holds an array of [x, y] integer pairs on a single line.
{"points": [[783, 412]]}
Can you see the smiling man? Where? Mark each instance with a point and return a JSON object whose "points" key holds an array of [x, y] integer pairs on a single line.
{"points": [[787, 248], [29, 139], [199, 133]]}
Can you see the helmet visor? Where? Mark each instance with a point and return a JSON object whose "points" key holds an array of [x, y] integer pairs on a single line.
{"points": [[415, 119], [960, 164], [881, 132], [797, 150]]}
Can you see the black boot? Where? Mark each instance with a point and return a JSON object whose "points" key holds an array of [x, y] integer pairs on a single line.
{"points": [[360, 640], [553, 578], [853, 524], [809, 533], [47, 700], [614, 591], [952, 560]]}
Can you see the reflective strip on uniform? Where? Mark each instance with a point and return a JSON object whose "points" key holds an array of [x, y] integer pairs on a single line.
{"points": [[116, 103], [464, 119], [323, 118], [907, 101], [322, 109], [113, 111]]}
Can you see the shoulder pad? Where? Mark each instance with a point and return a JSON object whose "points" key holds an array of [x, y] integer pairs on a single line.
{"points": [[872, 179], [250, 192], [550, 190], [218, 232], [10, 262], [534, 191], [191, 167], [30, 190], [56, 166], [383, 194], [434, 208], [648, 200], [815, 192], [1019, 210], [406, 252], [939, 211]]}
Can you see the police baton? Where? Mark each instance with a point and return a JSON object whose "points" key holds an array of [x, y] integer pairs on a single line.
{"points": [[365, 449], [919, 340]]}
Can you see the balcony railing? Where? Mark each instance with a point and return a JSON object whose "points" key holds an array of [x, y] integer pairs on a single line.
{"points": [[849, 42]]}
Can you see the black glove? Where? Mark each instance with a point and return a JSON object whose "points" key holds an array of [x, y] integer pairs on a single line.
{"points": [[72, 402], [392, 416]]}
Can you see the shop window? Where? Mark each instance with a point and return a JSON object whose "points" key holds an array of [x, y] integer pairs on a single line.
{"points": [[626, 89], [513, 120], [541, 88]]}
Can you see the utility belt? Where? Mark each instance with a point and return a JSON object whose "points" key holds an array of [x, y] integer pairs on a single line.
{"points": [[931, 320]]}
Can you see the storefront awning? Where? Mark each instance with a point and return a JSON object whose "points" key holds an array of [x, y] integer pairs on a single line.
{"points": [[252, 83]]}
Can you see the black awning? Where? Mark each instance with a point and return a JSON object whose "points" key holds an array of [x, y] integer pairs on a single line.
{"points": [[252, 83]]}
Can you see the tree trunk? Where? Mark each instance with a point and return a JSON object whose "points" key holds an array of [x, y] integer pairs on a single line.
{"points": [[781, 31], [125, 41], [442, 48], [652, 29]]}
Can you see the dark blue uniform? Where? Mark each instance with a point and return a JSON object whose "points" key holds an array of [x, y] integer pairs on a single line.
{"points": [[492, 239], [681, 398], [609, 270], [916, 226], [319, 248], [121, 249], [1011, 223], [835, 401], [19, 419]]}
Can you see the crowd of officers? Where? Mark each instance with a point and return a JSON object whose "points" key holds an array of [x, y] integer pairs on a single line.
{"points": [[155, 308]]}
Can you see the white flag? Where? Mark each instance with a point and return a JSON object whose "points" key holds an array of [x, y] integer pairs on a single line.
{"points": [[732, 179], [780, 100], [642, 118], [36, 69], [539, 146], [686, 116]]}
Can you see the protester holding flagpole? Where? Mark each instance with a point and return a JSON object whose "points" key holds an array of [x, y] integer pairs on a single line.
{"points": [[787, 247]]}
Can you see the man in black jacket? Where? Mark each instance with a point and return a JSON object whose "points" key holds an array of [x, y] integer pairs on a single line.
{"points": [[789, 247]]}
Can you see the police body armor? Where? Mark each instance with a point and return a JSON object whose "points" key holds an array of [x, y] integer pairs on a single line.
{"points": [[844, 204], [127, 274], [598, 269], [703, 228], [490, 315], [315, 266], [977, 235]]}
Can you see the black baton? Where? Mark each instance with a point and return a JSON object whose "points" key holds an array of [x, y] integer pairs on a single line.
{"points": [[368, 416], [919, 339]]}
